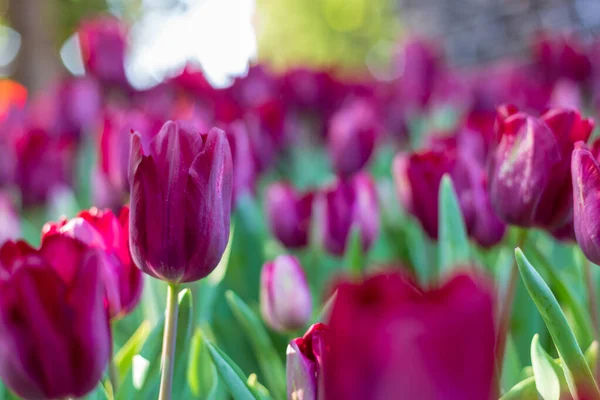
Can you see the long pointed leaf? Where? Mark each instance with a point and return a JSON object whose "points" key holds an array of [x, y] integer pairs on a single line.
{"points": [[453, 240]]}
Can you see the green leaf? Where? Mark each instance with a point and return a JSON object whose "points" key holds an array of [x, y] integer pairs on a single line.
{"points": [[260, 392], [453, 240], [86, 160], [202, 375], [230, 373], [124, 357], [579, 377], [268, 360], [546, 372], [524, 390], [512, 365], [354, 258], [591, 355], [99, 393]]}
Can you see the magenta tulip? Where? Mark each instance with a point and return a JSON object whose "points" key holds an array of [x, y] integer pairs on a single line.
{"points": [[102, 230], [304, 364], [530, 178], [289, 214], [181, 184], [349, 204], [353, 132], [55, 337], [285, 299], [389, 338]]}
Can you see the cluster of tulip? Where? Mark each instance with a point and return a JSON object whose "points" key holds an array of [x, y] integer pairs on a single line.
{"points": [[359, 181]]}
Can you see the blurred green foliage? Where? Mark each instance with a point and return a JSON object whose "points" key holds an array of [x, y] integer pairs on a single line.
{"points": [[323, 33]]}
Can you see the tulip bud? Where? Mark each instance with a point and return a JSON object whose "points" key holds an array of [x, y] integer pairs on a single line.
{"points": [[103, 43], [285, 300], [389, 338], [586, 184], [304, 364], [353, 131], [181, 183], [102, 230], [347, 204], [530, 179], [289, 214], [54, 329], [10, 224], [245, 170]]}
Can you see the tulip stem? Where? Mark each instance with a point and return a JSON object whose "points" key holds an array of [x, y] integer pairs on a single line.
{"points": [[169, 339], [113, 376], [506, 308]]}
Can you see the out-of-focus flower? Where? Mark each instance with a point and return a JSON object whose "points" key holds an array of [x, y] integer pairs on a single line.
{"points": [[103, 42], [12, 95], [245, 172], [285, 299], [417, 177], [566, 94], [43, 163], [347, 204], [353, 132], [54, 330], [10, 223], [585, 170], [419, 64], [289, 214], [102, 230], [561, 56], [79, 106], [181, 184], [391, 339], [530, 179], [115, 141], [304, 364]]}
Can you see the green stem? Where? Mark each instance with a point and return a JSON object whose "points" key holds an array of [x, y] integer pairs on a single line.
{"points": [[169, 339], [506, 310], [113, 376]]}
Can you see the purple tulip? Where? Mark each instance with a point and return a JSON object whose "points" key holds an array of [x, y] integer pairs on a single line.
{"points": [[530, 179], [348, 204], [285, 300], [245, 171], [103, 43], [102, 230], [55, 337], [181, 184], [389, 338], [352, 135], [586, 185], [304, 364], [289, 214]]}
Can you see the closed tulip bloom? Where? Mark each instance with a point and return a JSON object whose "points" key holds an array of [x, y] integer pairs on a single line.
{"points": [[417, 177], [102, 230], [352, 135], [349, 204], [289, 214], [304, 364], [54, 330], [245, 171], [530, 178], [586, 185], [181, 183], [285, 300], [103, 43], [391, 339]]}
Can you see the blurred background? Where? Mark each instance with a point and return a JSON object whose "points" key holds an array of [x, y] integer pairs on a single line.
{"points": [[37, 41]]}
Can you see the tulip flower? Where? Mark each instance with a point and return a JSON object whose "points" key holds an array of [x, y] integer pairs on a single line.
{"points": [[285, 299], [102, 230], [44, 162], [390, 338], [530, 179], [245, 171], [585, 169], [349, 204], [181, 183], [103, 43], [10, 223], [560, 56], [289, 214], [352, 135], [304, 364], [54, 331]]}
